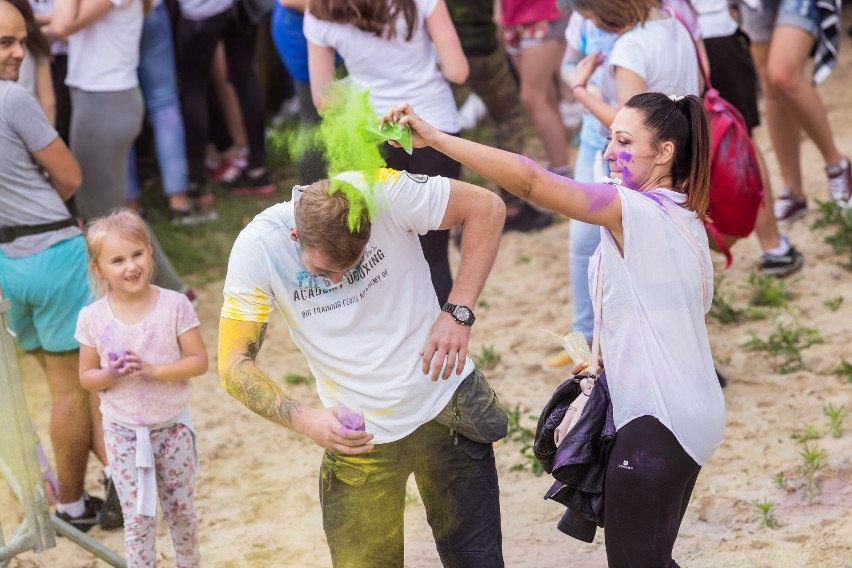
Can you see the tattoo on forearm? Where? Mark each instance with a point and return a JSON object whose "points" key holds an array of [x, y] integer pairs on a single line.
{"points": [[255, 390]]}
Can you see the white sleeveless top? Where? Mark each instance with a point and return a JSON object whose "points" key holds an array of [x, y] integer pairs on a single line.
{"points": [[653, 335]]}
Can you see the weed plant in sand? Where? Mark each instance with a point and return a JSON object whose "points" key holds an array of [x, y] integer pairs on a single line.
{"points": [[806, 433], [487, 359], [768, 291], [836, 415], [834, 303], [813, 461], [787, 343], [844, 370], [839, 220], [766, 513], [525, 437], [723, 309], [297, 379]]}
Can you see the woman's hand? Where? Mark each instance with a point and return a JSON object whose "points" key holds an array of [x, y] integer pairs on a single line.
{"points": [[586, 67], [422, 133]]}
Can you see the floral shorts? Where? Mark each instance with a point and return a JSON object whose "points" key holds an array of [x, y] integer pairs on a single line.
{"points": [[524, 36]]}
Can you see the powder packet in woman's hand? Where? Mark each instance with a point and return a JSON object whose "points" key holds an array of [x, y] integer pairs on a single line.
{"points": [[351, 419], [372, 133]]}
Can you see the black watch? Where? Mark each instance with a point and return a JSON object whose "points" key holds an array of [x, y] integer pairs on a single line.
{"points": [[462, 314]]}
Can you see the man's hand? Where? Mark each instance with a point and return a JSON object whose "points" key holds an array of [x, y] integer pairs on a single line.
{"points": [[448, 342], [321, 426]]}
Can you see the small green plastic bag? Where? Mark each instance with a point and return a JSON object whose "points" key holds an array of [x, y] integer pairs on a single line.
{"points": [[372, 133]]}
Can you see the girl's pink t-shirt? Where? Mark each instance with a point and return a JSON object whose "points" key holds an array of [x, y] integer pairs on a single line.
{"points": [[517, 12], [134, 400]]}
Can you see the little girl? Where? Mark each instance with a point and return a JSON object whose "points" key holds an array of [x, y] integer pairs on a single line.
{"points": [[139, 345]]}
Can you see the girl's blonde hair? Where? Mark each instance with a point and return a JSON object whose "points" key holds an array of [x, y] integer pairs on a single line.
{"points": [[122, 223]]}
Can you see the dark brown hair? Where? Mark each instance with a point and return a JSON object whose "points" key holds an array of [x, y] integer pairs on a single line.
{"points": [[322, 218], [614, 15], [377, 17], [37, 44], [685, 123]]}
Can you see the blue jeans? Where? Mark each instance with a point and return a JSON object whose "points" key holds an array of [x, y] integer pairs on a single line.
{"points": [[583, 239], [363, 500], [158, 80]]}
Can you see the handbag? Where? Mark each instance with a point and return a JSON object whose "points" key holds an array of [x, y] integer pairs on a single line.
{"points": [[736, 187], [475, 412], [587, 379]]}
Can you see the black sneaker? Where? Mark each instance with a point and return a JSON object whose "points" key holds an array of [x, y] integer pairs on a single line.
{"points": [[528, 218], [90, 517], [781, 265], [111, 516], [247, 184]]}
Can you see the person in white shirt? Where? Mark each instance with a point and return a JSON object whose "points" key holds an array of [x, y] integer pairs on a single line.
{"points": [[654, 267], [103, 55], [355, 291], [391, 48]]}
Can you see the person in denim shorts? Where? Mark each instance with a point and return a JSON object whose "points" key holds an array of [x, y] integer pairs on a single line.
{"points": [[783, 35]]}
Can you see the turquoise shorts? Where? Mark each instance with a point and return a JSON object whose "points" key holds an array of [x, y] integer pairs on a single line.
{"points": [[47, 291]]}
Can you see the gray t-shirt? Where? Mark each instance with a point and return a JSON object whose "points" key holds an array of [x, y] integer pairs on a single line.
{"points": [[26, 197]]}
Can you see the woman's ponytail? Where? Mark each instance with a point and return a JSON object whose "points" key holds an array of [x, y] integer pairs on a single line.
{"points": [[697, 183], [683, 121]]}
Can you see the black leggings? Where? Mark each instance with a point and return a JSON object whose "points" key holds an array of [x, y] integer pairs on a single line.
{"points": [[649, 480], [197, 40], [435, 243]]}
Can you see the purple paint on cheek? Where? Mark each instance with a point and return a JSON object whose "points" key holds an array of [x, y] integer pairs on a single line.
{"points": [[627, 178], [626, 157]]}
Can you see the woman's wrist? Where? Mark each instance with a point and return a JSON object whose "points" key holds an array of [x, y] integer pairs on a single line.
{"points": [[577, 86]]}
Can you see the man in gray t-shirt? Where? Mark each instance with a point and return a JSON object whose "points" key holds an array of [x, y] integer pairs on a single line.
{"points": [[43, 268]]}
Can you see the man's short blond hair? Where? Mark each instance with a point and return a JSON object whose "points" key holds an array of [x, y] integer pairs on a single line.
{"points": [[323, 222]]}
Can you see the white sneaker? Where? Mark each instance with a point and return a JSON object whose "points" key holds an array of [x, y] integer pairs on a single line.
{"points": [[472, 111]]}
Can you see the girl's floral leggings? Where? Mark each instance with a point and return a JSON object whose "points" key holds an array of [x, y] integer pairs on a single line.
{"points": [[175, 466]]}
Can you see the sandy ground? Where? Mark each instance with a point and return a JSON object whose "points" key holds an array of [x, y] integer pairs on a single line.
{"points": [[257, 488]]}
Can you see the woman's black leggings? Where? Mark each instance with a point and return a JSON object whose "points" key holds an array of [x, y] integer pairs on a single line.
{"points": [[197, 40], [435, 243], [649, 480]]}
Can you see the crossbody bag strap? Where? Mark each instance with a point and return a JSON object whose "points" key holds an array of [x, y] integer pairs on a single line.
{"points": [[594, 365]]}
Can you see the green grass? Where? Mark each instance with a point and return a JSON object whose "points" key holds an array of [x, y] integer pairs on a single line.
{"points": [[834, 303], [487, 359], [768, 291], [525, 437], [787, 344], [844, 370], [838, 220]]}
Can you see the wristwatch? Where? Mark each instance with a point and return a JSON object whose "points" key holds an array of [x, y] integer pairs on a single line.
{"points": [[462, 314]]}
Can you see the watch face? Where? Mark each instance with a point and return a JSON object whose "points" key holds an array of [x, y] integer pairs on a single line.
{"points": [[462, 313]]}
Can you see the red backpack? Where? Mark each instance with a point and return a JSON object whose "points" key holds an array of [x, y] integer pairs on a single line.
{"points": [[736, 188]]}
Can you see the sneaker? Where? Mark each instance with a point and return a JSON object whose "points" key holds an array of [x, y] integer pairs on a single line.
{"points": [[111, 516], [722, 381], [789, 207], [561, 360], [188, 216], [90, 517], [246, 184], [528, 218], [203, 202], [840, 181], [781, 265], [227, 171]]}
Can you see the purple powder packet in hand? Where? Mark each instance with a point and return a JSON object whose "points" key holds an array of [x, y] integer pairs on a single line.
{"points": [[351, 419]]}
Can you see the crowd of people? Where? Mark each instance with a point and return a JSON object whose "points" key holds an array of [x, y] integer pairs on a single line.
{"points": [[368, 294]]}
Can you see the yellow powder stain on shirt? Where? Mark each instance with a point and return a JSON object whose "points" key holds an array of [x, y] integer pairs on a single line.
{"points": [[387, 174]]}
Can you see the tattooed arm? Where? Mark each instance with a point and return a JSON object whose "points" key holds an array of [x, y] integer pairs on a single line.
{"points": [[239, 345]]}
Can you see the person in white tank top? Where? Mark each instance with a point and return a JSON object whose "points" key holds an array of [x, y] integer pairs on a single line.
{"points": [[657, 285]]}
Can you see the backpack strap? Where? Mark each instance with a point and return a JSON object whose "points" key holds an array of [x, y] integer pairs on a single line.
{"points": [[704, 72], [720, 242]]}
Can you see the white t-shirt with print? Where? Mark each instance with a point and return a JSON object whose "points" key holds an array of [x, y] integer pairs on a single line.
{"points": [[393, 70], [661, 52], [362, 337], [653, 336], [103, 56]]}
